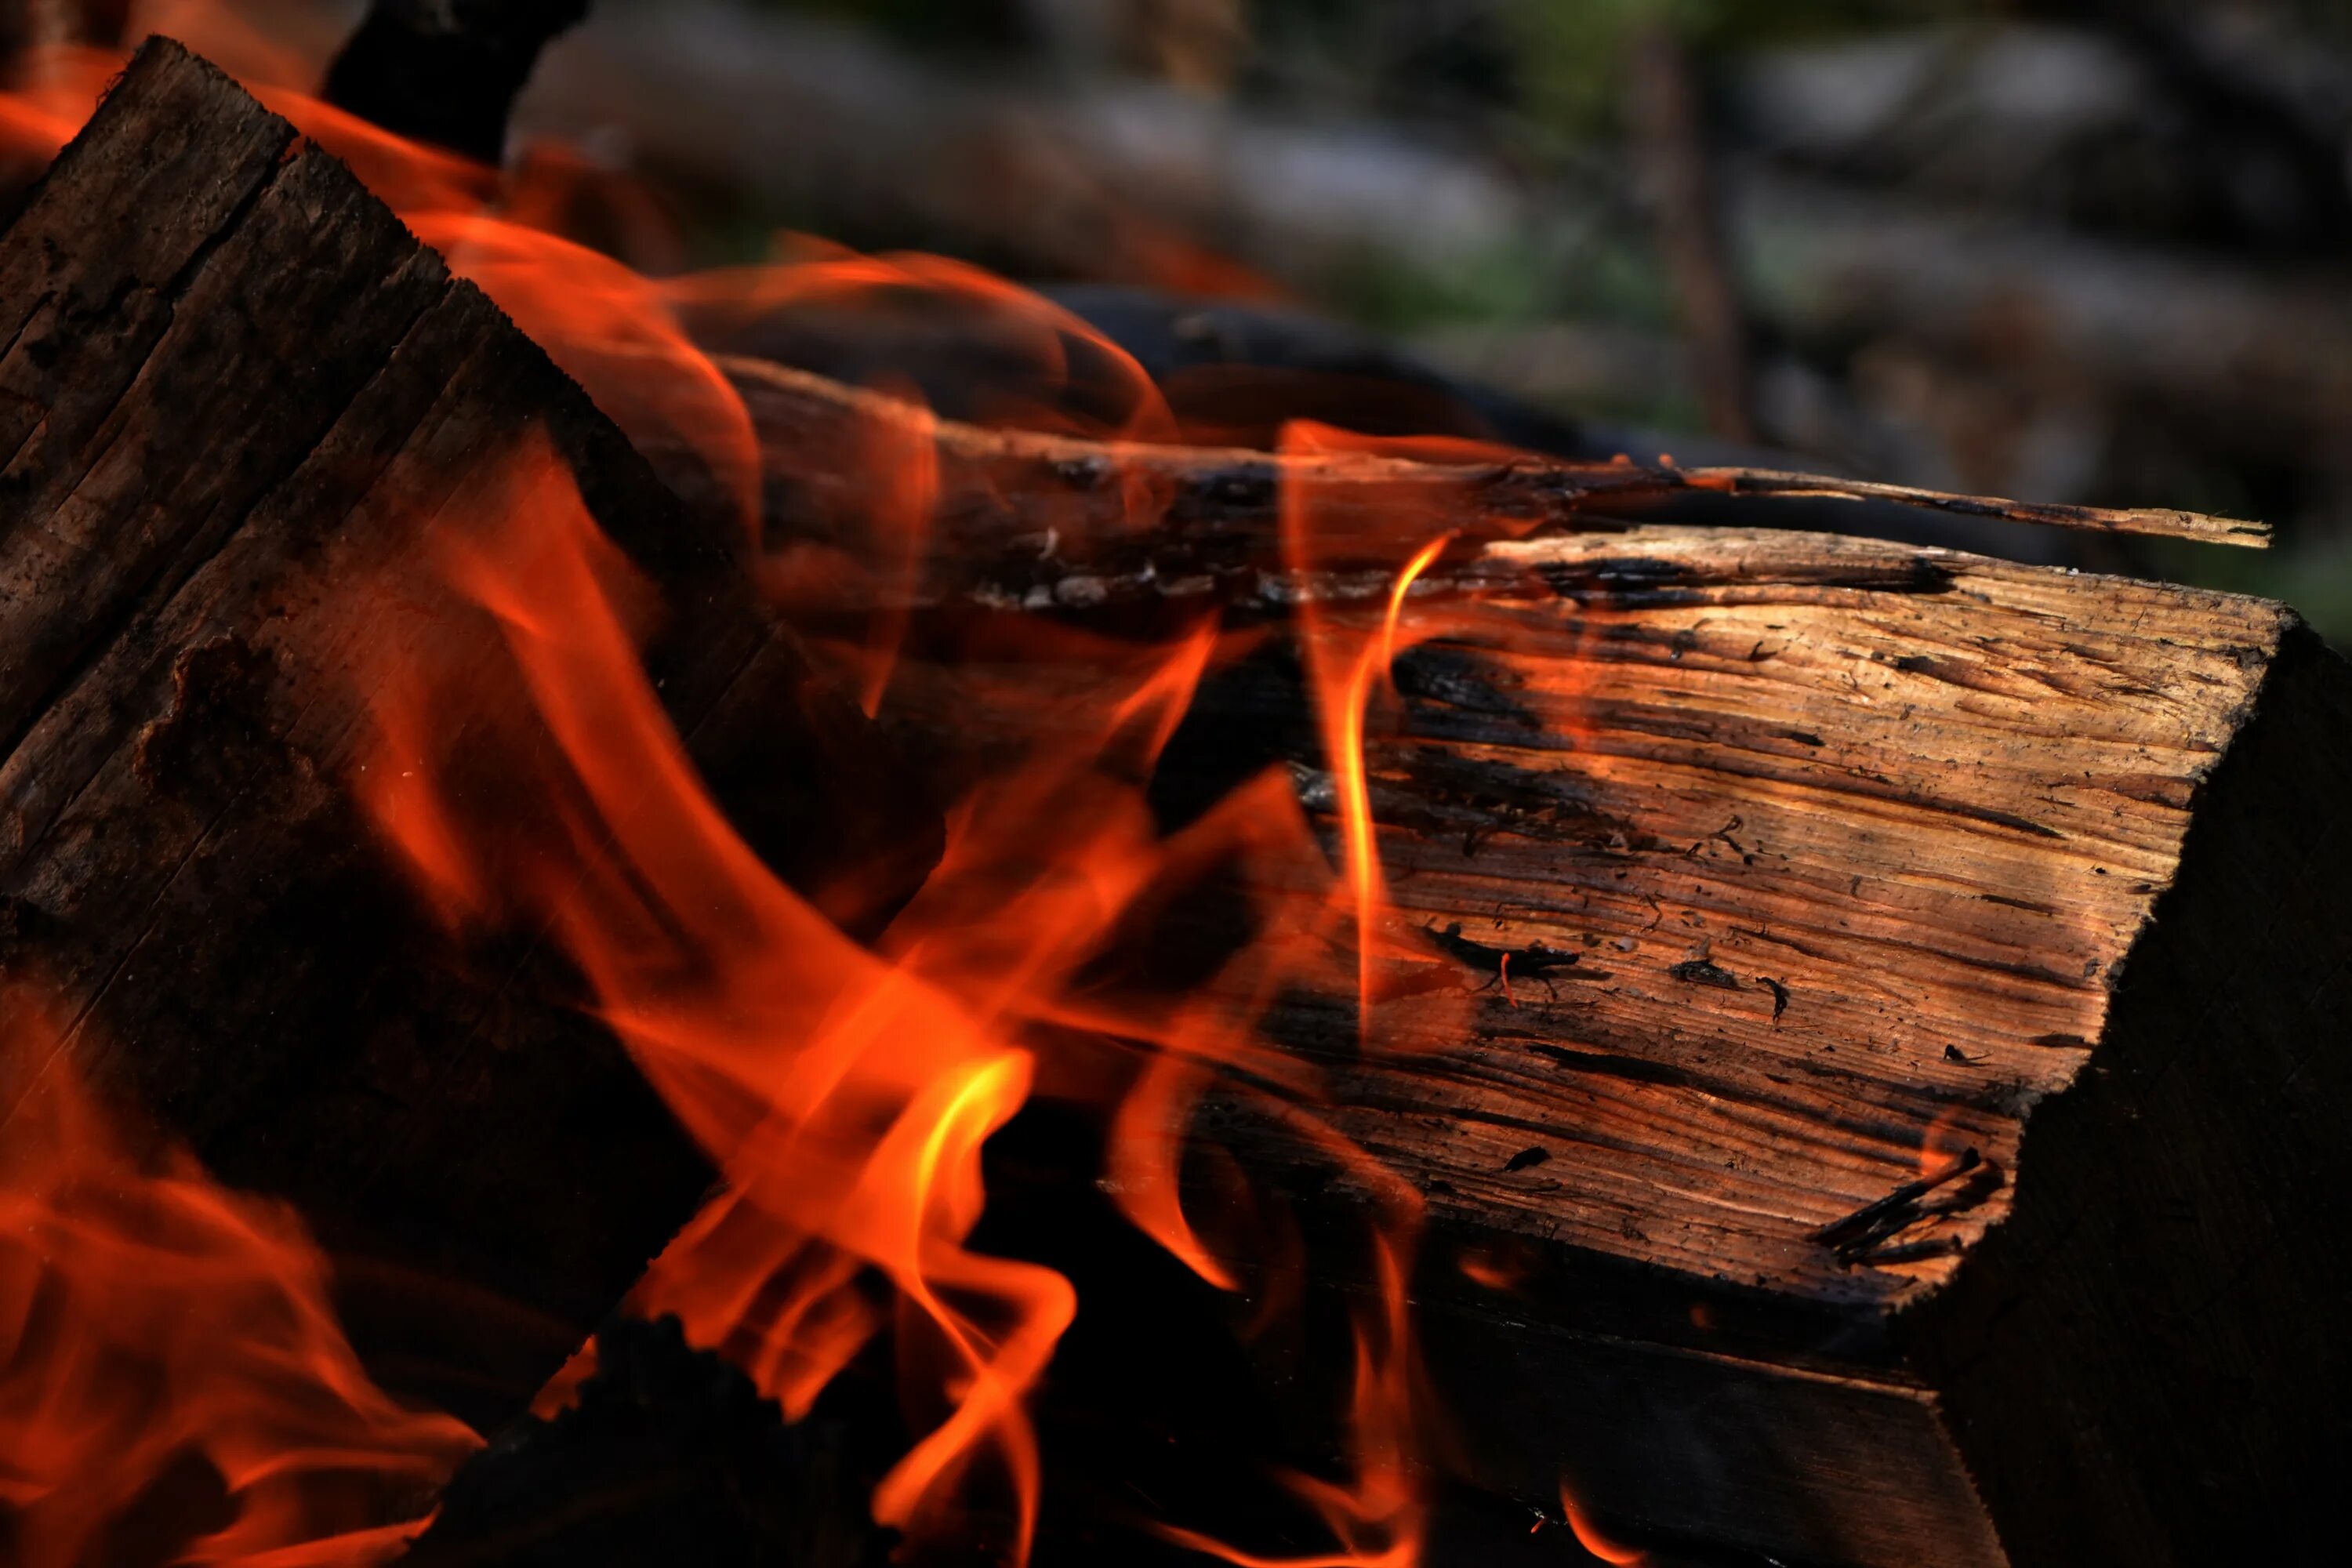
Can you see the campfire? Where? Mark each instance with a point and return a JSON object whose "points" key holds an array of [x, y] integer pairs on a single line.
{"points": [[617, 949]]}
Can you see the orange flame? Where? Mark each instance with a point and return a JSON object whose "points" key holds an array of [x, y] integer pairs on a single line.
{"points": [[151, 1320], [845, 1100], [1345, 736], [1491, 1269], [56, 89], [1589, 1537], [1345, 686], [846, 1095], [1380, 1515]]}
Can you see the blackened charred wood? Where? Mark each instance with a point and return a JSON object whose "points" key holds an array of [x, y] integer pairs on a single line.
{"points": [[1049, 521], [447, 71], [669, 1455], [235, 393]]}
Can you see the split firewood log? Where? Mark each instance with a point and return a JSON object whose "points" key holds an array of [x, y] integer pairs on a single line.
{"points": [[235, 396], [1898, 1117]]}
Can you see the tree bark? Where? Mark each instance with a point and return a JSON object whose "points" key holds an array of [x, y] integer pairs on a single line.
{"points": [[234, 394], [1047, 520]]}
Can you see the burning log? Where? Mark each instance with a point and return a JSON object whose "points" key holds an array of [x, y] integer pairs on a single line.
{"points": [[1862, 1018], [1851, 1010], [242, 402]]}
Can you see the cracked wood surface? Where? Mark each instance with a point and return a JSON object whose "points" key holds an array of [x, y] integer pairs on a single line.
{"points": [[235, 394], [1823, 868], [1744, 802], [1814, 859], [1851, 866]]}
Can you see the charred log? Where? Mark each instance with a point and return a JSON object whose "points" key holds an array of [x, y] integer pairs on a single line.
{"points": [[1045, 520], [1913, 1076], [237, 395], [669, 1455], [1903, 987]]}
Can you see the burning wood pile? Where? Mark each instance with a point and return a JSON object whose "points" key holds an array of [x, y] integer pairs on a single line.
{"points": [[670, 960]]}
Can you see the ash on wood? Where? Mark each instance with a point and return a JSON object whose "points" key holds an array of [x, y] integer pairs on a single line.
{"points": [[1913, 1122], [234, 392]]}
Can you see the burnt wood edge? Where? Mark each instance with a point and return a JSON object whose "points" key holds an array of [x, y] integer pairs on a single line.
{"points": [[724, 653], [1527, 486], [2144, 1364]]}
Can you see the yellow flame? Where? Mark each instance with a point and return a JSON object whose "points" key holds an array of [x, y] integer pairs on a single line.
{"points": [[1361, 837]]}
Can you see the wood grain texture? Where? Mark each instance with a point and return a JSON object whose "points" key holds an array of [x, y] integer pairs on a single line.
{"points": [[1861, 1136], [239, 394]]}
